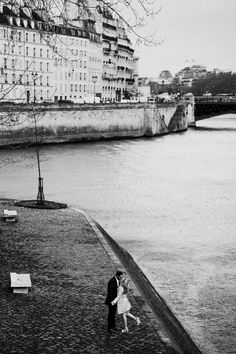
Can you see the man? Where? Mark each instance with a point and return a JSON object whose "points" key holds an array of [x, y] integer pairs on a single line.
{"points": [[112, 288]]}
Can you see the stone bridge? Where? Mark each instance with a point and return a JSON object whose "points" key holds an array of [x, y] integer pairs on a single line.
{"points": [[204, 110]]}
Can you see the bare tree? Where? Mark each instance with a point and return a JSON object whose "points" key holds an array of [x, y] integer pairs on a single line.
{"points": [[134, 15]]}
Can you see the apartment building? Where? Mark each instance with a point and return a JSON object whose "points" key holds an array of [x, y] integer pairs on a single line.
{"points": [[190, 73], [79, 59], [42, 61], [77, 17], [120, 65], [25, 58]]}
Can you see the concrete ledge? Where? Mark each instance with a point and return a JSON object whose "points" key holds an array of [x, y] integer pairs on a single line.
{"points": [[156, 302]]}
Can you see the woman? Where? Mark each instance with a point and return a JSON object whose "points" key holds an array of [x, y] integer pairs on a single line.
{"points": [[123, 304]]}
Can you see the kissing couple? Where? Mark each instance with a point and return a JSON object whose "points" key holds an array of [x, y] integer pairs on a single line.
{"points": [[118, 302]]}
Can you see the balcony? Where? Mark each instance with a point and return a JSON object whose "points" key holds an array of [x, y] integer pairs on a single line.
{"points": [[109, 77], [129, 80], [106, 50]]}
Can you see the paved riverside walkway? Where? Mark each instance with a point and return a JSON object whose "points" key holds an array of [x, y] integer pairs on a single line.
{"points": [[64, 311]]}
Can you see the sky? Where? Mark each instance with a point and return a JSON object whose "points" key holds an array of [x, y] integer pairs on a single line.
{"points": [[195, 32]]}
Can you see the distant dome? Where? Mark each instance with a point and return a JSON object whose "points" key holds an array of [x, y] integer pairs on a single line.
{"points": [[188, 94], [165, 74]]}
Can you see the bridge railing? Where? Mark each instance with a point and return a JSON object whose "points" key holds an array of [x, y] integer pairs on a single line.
{"points": [[222, 98]]}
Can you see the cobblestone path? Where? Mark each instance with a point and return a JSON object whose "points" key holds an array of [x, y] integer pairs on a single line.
{"points": [[64, 312]]}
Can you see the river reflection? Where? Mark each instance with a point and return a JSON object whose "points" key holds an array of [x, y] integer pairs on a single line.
{"points": [[170, 201]]}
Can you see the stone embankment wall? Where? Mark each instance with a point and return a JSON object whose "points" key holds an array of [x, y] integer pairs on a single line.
{"points": [[158, 305], [91, 122]]}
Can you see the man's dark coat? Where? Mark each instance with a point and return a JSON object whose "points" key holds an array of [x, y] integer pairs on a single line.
{"points": [[111, 290]]}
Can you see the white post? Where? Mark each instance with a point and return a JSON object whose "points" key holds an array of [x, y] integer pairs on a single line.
{"points": [[190, 103]]}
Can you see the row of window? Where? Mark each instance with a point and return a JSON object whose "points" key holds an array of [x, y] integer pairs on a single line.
{"points": [[123, 57], [81, 88], [17, 93], [33, 79], [109, 88], [21, 36], [70, 75], [18, 36], [82, 53], [72, 87], [42, 66], [22, 50], [75, 63], [25, 79], [35, 52], [95, 59], [28, 64], [65, 51]]}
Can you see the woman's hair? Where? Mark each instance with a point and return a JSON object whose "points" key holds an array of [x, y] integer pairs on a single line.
{"points": [[125, 284]]}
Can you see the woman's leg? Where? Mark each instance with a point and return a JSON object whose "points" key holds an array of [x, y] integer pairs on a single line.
{"points": [[132, 316], [125, 322]]}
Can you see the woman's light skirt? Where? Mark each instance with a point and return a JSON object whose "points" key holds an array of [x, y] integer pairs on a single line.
{"points": [[123, 305]]}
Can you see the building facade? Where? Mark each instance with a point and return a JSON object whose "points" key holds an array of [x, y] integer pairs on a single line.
{"points": [[85, 58], [187, 75], [120, 65]]}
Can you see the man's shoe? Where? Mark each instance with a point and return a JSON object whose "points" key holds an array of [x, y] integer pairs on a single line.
{"points": [[110, 330]]}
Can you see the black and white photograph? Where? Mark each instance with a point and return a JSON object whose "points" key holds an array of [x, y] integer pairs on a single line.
{"points": [[117, 177]]}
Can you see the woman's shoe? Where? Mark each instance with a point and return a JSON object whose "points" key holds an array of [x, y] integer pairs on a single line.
{"points": [[125, 330], [138, 321]]}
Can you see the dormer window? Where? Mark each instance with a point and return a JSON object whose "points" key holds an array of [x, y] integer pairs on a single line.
{"points": [[10, 19], [25, 22]]}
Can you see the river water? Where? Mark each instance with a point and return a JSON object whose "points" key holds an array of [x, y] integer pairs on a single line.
{"points": [[170, 201]]}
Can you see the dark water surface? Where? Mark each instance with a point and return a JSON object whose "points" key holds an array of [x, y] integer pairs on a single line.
{"points": [[170, 201]]}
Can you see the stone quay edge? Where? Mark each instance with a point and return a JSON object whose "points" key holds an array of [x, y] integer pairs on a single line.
{"points": [[92, 122]]}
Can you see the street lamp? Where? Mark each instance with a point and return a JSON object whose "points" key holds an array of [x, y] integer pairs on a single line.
{"points": [[95, 79], [181, 88], [35, 77], [162, 85]]}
